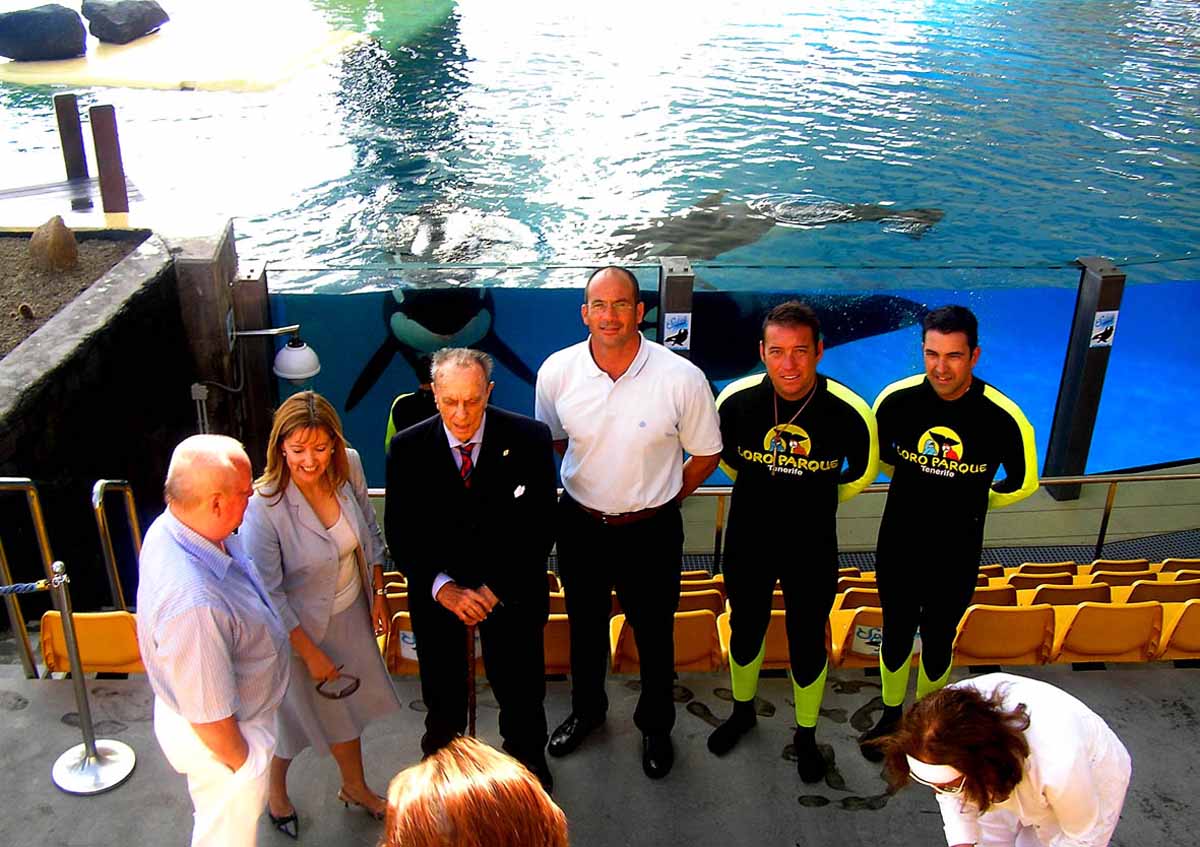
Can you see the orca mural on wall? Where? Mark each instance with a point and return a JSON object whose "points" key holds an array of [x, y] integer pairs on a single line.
{"points": [[419, 321]]}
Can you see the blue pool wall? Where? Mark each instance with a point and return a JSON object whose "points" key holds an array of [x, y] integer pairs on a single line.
{"points": [[1148, 414]]}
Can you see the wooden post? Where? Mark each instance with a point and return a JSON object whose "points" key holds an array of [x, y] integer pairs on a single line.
{"points": [[113, 194], [70, 135], [260, 395]]}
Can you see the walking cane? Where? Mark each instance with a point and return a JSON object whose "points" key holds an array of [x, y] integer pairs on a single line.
{"points": [[471, 680]]}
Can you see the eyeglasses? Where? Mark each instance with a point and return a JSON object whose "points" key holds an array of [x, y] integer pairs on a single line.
{"points": [[954, 787], [342, 685]]}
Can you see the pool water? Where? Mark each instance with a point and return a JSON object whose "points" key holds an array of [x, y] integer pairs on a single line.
{"points": [[940, 152]]}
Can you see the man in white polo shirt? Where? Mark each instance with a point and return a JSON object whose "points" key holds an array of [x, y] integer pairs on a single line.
{"points": [[622, 411]]}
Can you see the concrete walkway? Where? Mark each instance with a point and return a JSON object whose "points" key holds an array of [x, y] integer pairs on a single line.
{"points": [[750, 797]]}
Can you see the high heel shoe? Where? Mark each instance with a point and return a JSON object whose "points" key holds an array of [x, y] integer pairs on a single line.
{"points": [[349, 801], [289, 825]]}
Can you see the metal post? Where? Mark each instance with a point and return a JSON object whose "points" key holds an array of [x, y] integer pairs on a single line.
{"points": [[70, 134], [675, 284], [17, 621], [110, 559], [1108, 507], [1093, 328], [113, 192], [91, 767]]}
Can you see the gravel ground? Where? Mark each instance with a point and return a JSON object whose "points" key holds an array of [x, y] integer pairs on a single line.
{"points": [[29, 297]]}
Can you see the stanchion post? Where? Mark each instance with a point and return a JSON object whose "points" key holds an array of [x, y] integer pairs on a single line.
{"points": [[91, 767]]}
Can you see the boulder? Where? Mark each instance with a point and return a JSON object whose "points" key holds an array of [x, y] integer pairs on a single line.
{"points": [[46, 32], [52, 246], [122, 21]]}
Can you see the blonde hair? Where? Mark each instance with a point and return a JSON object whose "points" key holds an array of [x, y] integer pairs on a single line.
{"points": [[471, 795], [303, 410]]}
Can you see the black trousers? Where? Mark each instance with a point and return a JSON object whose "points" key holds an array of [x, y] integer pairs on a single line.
{"points": [[929, 591], [642, 562], [511, 638], [809, 583]]}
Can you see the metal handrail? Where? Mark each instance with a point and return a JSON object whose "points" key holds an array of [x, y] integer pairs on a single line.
{"points": [[722, 492], [102, 487], [17, 618]]}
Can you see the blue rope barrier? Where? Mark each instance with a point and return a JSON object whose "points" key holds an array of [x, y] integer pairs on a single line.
{"points": [[25, 587]]}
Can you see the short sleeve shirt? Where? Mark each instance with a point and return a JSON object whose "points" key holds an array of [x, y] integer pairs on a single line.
{"points": [[626, 438]]}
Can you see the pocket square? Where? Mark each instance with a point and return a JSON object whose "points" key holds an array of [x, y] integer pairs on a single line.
{"points": [[518, 491]]}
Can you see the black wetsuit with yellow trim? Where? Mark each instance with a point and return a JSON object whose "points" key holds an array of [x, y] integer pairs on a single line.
{"points": [[942, 457], [788, 481]]}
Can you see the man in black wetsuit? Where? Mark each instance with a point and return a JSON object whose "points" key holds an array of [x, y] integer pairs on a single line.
{"points": [[796, 443], [942, 437], [412, 408]]}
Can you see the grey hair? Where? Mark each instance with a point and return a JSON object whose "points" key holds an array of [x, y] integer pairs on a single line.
{"points": [[461, 357], [201, 464]]}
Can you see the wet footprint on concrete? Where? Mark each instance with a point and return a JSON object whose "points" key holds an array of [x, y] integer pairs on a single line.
{"points": [[12, 701], [417, 706], [705, 714], [835, 715], [833, 776], [813, 801], [864, 717], [99, 727], [852, 686], [123, 705], [763, 708], [681, 695], [864, 804], [633, 684]]}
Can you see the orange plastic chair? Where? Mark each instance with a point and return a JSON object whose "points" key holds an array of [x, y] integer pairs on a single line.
{"points": [[1000, 595], [1169, 565], [710, 599], [1072, 595], [1021, 581], [1107, 632], [556, 647], [856, 635], [1123, 577], [1120, 565], [856, 598], [1181, 631], [1048, 567], [107, 643], [697, 647], [1004, 635], [1165, 592]]}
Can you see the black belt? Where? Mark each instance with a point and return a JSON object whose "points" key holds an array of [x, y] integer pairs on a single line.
{"points": [[620, 518]]}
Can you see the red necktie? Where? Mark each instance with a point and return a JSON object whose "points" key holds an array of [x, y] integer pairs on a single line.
{"points": [[467, 466]]}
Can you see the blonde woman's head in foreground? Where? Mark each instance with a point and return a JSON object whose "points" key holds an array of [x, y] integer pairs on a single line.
{"points": [[471, 795]]}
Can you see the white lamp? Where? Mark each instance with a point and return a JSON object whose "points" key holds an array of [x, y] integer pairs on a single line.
{"points": [[296, 361]]}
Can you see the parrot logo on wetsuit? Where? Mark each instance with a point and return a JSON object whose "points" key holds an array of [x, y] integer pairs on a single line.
{"points": [[941, 441], [787, 440]]}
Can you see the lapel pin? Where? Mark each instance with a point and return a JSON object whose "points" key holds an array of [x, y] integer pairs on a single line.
{"points": [[505, 453], [518, 491]]}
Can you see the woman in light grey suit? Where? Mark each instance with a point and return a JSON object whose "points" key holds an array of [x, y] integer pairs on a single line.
{"points": [[312, 532]]}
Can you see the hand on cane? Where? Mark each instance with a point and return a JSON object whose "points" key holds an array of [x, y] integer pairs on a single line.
{"points": [[470, 605]]}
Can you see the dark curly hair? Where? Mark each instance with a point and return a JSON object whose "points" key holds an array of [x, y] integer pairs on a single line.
{"points": [[971, 732]]}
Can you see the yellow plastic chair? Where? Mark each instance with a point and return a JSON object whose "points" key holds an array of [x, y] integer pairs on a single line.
{"points": [[856, 635], [557, 644], [857, 598], [849, 572], [1169, 565], [1185, 574], [694, 575], [992, 570], [776, 656], [107, 643], [1021, 581], [397, 601], [845, 582], [552, 582], [777, 601], [1070, 567], [709, 584], [1120, 565], [558, 603], [394, 585], [1181, 631], [1165, 592], [1004, 635], [1072, 595], [1123, 577], [697, 647], [710, 599], [400, 649], [1107, 632], [394, 576], [998, 595]]}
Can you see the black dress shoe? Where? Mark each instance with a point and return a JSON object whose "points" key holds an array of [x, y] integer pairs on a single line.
{"points": [[658, 754], [870, 741], [570, 734], [535, 764]]}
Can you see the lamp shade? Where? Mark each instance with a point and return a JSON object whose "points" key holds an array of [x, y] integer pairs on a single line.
{"points": [[296, 361]]}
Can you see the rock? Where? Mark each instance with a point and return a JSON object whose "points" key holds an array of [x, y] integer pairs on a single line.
{"points": [[122, 21], [25, 310], [45, 32], [52, 246]]}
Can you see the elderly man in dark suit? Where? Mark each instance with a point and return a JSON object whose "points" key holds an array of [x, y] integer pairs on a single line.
{"points": [[469, 519]]}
